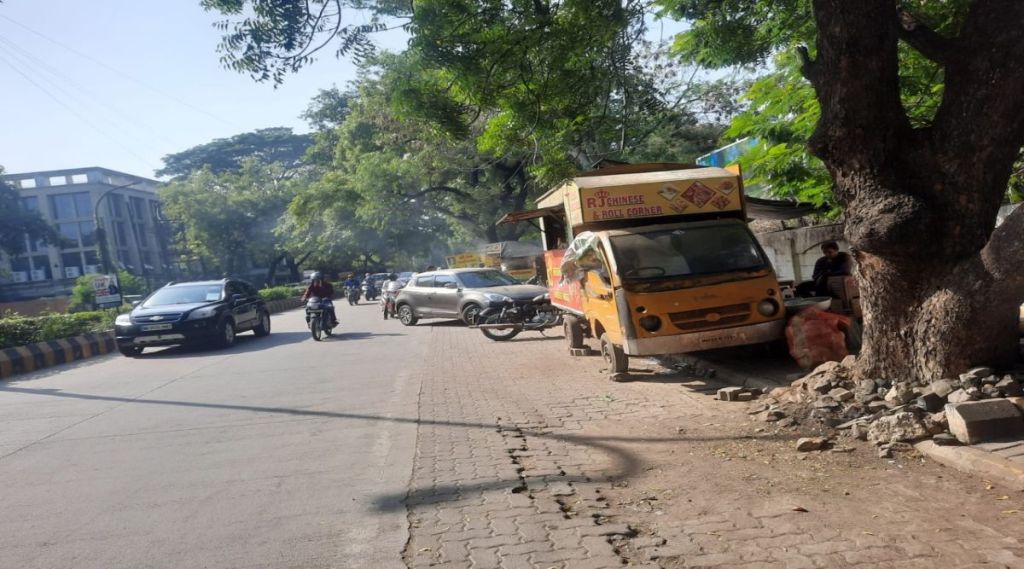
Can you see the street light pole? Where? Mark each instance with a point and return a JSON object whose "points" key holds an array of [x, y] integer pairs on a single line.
{"points": [[101, 232]]}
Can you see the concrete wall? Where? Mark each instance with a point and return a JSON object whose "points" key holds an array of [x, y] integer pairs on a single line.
{"points": [[793, 252]]}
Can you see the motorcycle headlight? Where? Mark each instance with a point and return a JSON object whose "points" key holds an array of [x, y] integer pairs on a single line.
{"points": [[496, 297], [201, 313], [123, 320]]}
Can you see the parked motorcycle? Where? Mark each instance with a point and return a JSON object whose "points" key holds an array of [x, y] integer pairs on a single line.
{"points": [[318, 317], [352, 294], [506, 321]]}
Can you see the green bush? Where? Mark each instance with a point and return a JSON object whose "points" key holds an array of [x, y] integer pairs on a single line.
{"points": [[21, 330], [281, 293]]}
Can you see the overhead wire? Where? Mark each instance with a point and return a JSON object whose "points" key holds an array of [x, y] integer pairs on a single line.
{"points": [[80, 93], [124, 75], [73, 111]]}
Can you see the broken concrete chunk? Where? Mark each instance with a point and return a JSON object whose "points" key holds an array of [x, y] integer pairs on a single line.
{"points": [[977, 373], [959, 396], [876, 406], [982, 421], [942, 387], [808, 444], [826, 402], [899, 394], [945, 440], [840, 394], [745, 396], [1009, 386], [898, 427], [930, 402], [729, 393], [990, 391]]}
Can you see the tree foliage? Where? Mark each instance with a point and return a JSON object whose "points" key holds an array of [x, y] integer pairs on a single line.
{"points": [[18, 223], [269, 145]]}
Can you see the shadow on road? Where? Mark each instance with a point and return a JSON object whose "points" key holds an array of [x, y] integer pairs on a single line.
{"points": [[627, 463], [243, 344]]}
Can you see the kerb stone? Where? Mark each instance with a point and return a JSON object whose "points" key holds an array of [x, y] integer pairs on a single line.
{"points": [[982, 421]]}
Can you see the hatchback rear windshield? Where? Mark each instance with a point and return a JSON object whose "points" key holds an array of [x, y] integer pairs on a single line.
{"points": [[485, 279], [683, 252], [188, 294]]}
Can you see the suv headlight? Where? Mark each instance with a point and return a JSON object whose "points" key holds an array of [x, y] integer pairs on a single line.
{"points": [[496, 297], [123, 320], [201, 313]]}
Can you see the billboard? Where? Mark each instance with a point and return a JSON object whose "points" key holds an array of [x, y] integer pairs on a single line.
{"points": [[106, 292]]}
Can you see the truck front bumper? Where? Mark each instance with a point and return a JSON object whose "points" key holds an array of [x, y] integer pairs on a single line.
{"points": [[708, 340]]}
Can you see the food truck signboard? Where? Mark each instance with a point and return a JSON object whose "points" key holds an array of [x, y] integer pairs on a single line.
{"points": [[658, 199]]}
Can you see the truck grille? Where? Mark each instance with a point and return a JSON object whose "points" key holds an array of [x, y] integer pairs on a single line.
{"points": [[714, 317]]}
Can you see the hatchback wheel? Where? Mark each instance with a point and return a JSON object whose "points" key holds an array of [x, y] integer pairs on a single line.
{"points": [[470, 313], [406, 316]]}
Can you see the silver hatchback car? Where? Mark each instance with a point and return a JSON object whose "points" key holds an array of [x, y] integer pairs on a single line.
{"points": [[458, 293]]}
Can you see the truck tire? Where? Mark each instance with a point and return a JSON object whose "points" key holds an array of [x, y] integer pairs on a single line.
{"points": [[573, 332], [615, 357]]}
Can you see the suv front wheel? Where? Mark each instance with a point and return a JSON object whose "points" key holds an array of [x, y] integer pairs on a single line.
{"points": [[226, 334]]}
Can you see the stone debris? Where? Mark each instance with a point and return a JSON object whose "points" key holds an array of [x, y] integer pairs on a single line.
{"points": [[738, 394], [894, 414], [808, 444]]}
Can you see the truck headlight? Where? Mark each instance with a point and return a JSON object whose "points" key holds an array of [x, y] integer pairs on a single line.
{"points": [[650, 323], [123, 320], [768, 307], [201, 313]]}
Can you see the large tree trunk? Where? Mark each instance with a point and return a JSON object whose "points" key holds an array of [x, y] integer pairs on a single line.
{"points": [[939, 289]]}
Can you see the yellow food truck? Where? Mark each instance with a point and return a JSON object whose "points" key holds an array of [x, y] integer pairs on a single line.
{"points": [[655, 259]]}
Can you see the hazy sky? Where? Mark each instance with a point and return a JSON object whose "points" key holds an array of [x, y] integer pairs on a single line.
{"points": [[122, 83]]}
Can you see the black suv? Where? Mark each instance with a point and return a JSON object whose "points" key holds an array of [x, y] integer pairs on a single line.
{"points": [[195, 312]]}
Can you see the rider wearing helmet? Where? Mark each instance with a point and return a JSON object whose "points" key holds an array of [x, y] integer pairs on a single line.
{"points": [[320, 288]]}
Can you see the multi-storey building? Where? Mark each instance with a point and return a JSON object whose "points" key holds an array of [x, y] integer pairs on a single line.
{"points": [[76, 202]]}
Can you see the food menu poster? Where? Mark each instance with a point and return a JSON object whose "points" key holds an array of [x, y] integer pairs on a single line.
{"points": [[660, 199]]}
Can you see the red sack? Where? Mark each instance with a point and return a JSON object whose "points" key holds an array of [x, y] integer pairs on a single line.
{"points": [[815, 337]]}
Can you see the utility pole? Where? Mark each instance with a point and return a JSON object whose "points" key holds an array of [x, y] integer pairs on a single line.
{"points": [[101, 232]]}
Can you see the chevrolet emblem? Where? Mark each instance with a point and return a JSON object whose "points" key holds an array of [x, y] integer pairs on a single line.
{"points": [[156, 318]]}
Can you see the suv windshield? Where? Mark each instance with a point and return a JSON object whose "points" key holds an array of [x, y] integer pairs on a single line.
{"points": [[690, 251], [188, 294], [484, 279]]}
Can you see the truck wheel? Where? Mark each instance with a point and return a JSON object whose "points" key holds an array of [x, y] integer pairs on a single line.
{"points": [[615, 357], [573, 332]]}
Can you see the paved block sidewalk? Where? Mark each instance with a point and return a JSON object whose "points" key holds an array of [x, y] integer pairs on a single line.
{"points": [[529, 458]]}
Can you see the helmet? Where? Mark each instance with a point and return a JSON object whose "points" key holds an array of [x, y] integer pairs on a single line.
{"points": [[316, 276]]}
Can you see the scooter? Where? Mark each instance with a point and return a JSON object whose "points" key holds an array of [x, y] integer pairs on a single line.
{"points": [[318, 317]]}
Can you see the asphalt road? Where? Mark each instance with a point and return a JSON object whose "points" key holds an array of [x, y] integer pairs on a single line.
{"points": [[274, 453]]}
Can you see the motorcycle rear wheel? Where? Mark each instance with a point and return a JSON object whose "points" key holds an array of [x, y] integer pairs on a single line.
{"points": [[314, 328], [500, 335]]}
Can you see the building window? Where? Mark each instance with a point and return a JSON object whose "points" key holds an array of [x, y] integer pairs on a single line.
{"points": [[71, 206], [87, 230], [27, 183], [20, 265], [58, 180], [69, 235], [72, 265], [41, 265], [138, 209], [79, 179], [121, 234], [92, 262], [118, 201]]}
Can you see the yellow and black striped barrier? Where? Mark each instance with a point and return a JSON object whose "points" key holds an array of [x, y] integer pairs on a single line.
{"points": [[23, 359], [41, 355]]}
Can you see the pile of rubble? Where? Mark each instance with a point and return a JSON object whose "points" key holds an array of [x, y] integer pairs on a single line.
{"points": [[976, 407]]}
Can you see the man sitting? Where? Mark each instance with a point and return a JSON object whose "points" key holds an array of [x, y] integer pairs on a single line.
{"points": [[833, 263]]}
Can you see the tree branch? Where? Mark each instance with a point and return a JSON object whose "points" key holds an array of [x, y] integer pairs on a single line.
{"points": [[436, 189], [1004, 254], [922, 38]]}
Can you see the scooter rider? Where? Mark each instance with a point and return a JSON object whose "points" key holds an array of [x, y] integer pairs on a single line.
{"points": [[371, 291], [323, 290], [390, 290]]}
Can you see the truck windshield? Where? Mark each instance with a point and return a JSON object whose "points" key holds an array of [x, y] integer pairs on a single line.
{"points": [[687, 251]]}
